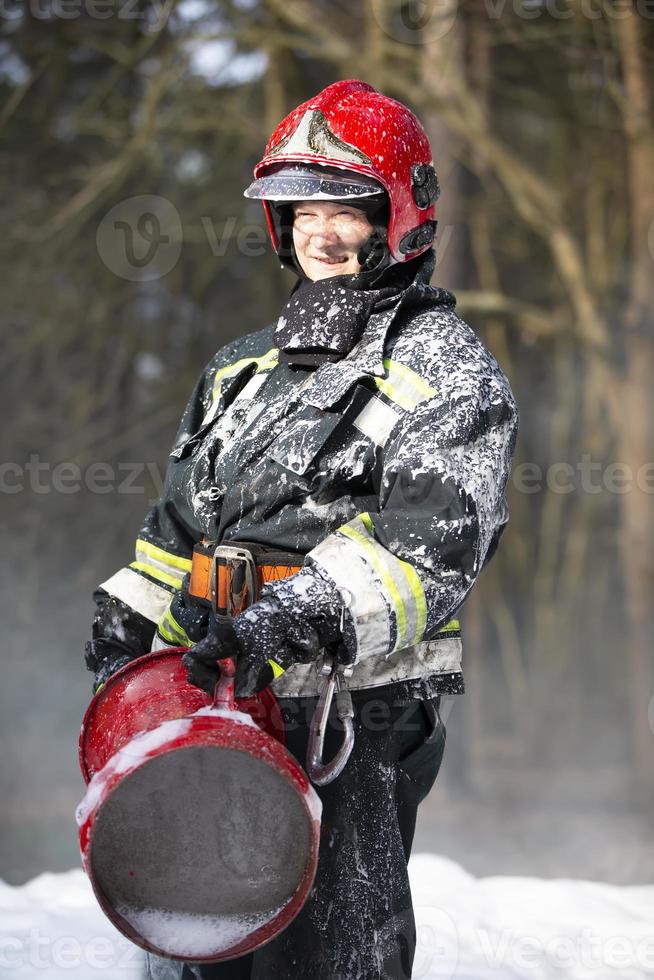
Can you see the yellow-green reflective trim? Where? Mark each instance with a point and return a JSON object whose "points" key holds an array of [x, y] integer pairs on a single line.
{"points": [[170, 629], [410, 376], [265, 361], [413, 581], [416, 587], [276, 669], [403, 386], [269, 359], [394, 394], [366, 520], [163, 556], [451, 626], [384, 574], [419, 596], [154, 572]]}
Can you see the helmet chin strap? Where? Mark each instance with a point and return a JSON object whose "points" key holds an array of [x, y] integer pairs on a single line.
{"points": [[374, 256]]}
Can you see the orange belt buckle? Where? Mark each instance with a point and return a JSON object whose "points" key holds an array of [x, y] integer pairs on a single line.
{"points": [[233, 580]]}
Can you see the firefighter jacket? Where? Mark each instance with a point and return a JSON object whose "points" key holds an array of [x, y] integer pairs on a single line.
{"points": [[386, 469]]}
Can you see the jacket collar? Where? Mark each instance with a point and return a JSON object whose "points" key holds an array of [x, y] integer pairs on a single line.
{"points": [[331, 381]]}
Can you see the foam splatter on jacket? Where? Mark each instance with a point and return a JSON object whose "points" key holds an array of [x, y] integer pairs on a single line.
{"points": [[387, 469]]}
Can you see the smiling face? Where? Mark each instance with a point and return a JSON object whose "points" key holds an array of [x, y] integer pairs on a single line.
{"points": [[327, 237]]}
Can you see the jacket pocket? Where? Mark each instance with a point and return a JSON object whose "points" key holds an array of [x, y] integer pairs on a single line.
{"points": [[299, 445], [331, 446], [418, 765]]}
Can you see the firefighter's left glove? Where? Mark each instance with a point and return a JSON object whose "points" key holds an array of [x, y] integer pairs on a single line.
{"points": [[295, 619], [201, 661], [292, 622], [239, 639]]}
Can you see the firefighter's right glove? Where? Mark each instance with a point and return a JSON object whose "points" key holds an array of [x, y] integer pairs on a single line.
{"points": [[104, 657], [119, 635]]}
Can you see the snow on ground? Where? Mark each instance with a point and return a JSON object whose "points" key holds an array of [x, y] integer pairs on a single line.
{"points": [[505, 928], [468, 929]]}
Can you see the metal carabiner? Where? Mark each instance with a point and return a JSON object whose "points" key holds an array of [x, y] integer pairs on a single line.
{"points": [[322, 773]]}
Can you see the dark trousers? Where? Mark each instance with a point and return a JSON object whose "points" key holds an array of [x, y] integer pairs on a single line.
{"points": [[358, 920]]}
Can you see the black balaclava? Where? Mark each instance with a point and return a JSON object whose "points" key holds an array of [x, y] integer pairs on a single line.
{"points": [[323, 319]]}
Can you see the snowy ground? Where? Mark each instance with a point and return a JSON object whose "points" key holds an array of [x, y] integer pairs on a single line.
{"points": [[468, 929]]}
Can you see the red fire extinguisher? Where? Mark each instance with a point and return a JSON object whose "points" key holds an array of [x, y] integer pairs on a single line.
{"points": [[199, 831]]}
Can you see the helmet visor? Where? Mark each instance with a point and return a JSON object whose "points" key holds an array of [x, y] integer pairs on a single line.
{"points": [[300, 183]]}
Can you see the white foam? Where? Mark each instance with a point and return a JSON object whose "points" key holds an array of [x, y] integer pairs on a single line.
{"points": [[238, 717], [193, 935]]}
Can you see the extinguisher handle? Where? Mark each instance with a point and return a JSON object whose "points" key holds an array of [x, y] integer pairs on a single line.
{"points": [[223, 694]]}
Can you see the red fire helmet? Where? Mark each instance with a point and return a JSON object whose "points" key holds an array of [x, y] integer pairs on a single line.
{"points": [[353, 130]]}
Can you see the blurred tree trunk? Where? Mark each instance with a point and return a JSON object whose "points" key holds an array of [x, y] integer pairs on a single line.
{"points": [[495, 333], [274, 90], [637, 431], [443, 64]]}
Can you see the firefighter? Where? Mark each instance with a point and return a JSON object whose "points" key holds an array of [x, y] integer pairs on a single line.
{"points": [[353, 457]]}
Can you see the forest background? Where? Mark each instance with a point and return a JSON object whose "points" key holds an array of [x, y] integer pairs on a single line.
{"points": [[129, 256]]}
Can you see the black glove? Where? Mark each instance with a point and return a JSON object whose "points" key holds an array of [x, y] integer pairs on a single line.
{"points": [[291, 623], [104, 657], [119, 635], [201, 661]]}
